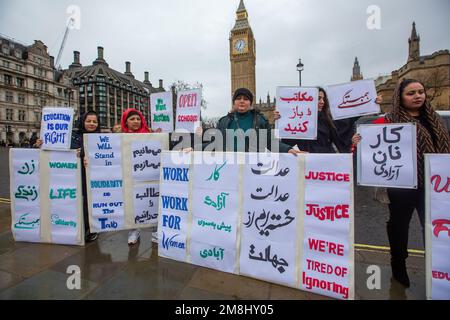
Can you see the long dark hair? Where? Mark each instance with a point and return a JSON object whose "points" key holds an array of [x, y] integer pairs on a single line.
{"points": [[404, 84], [326, 109]]}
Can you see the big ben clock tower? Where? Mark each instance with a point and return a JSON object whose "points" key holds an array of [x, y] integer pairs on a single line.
{"points": [[242, 53]]}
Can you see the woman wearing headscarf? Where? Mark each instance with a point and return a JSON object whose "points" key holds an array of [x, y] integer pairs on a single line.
{"points": [[133, 121], [410, 105], [88, 123]]}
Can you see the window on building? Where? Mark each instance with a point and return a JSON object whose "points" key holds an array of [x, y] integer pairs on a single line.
{"points": [[9, 114], [102, 118], [18, 67], [20, 82], [5, 50], [18, 54], [21, 98], [37, 71], [9, 96], [6, 64], [37, 116], [21, 115], [7, 79]]}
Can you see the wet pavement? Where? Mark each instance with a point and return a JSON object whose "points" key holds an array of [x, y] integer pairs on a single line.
{"points": [[110, 269]]}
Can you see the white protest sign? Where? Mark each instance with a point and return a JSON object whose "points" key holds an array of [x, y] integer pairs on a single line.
{"points": [[123, 179], [105, 182], [145, 160], [46, 197], [214, 203], [298, 111], [286, 231], [270, 219], [146, 198], [356, 98], [437, 228], [327, 260], [173, 206], [63, 193], [387, 155], [161, 111], [25, 200], [188, 110], [56, 128]]}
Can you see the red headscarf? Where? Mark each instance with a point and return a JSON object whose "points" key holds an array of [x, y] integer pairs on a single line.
{"points": [[123, 122]]}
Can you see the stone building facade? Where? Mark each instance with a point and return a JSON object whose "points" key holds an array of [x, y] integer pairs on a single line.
{"points": [[110, 92], [433, 70], [28, 82]]}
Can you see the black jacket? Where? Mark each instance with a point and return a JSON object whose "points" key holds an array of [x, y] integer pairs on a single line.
{"points": [[259, 122], [326, 136]]}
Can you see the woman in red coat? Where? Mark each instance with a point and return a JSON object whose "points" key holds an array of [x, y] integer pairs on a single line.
{"points": [[134, 122], [410, 105]]}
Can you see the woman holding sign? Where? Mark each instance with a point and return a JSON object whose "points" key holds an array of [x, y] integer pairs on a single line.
{"points": [[326, 131], [88, 123], [410, 105], [134, 122]]}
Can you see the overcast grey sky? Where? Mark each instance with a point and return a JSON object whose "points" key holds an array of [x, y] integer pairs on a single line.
{"points": [[188, 39]]}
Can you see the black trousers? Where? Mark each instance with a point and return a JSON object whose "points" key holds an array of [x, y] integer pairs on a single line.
{"points": [[403, 202]]}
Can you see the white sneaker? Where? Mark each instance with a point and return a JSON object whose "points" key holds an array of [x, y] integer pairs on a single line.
{"points": [[155, 237], [133, 236]]}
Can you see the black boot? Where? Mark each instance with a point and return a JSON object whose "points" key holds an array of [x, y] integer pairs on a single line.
{"points": [[399, 272]]}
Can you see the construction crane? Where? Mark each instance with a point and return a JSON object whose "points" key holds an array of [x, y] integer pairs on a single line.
{"points": [[61, 49]]}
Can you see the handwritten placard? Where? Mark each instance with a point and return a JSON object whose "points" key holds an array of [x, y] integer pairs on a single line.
{"points": [[387, 155], [56, 128], [188, 110], [25, 204], [123, 178], [63, 193], [356, 98], [145, 160], [162, 111], [106, 182], [298, 111], [437, 177], [215, 202], [146, 197], [327, 241], [270, 219], [46, 197], [263, 216], [173, 205]]}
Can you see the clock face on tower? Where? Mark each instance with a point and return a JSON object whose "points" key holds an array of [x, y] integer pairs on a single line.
{"points": [[240, 45]]}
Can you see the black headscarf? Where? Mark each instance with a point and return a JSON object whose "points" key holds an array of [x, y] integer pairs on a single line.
{"points": [[77, 134], [81, 128]]}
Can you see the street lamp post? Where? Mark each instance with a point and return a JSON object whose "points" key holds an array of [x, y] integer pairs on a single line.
{"points": [[300, 69]]}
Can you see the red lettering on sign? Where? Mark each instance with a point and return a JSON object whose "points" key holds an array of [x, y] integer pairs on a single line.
{"points": [[187, 100], [326, 246], [436, 181], [331, 213], [188, 118], [439, 226], [328, 176], [440, 275]]}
